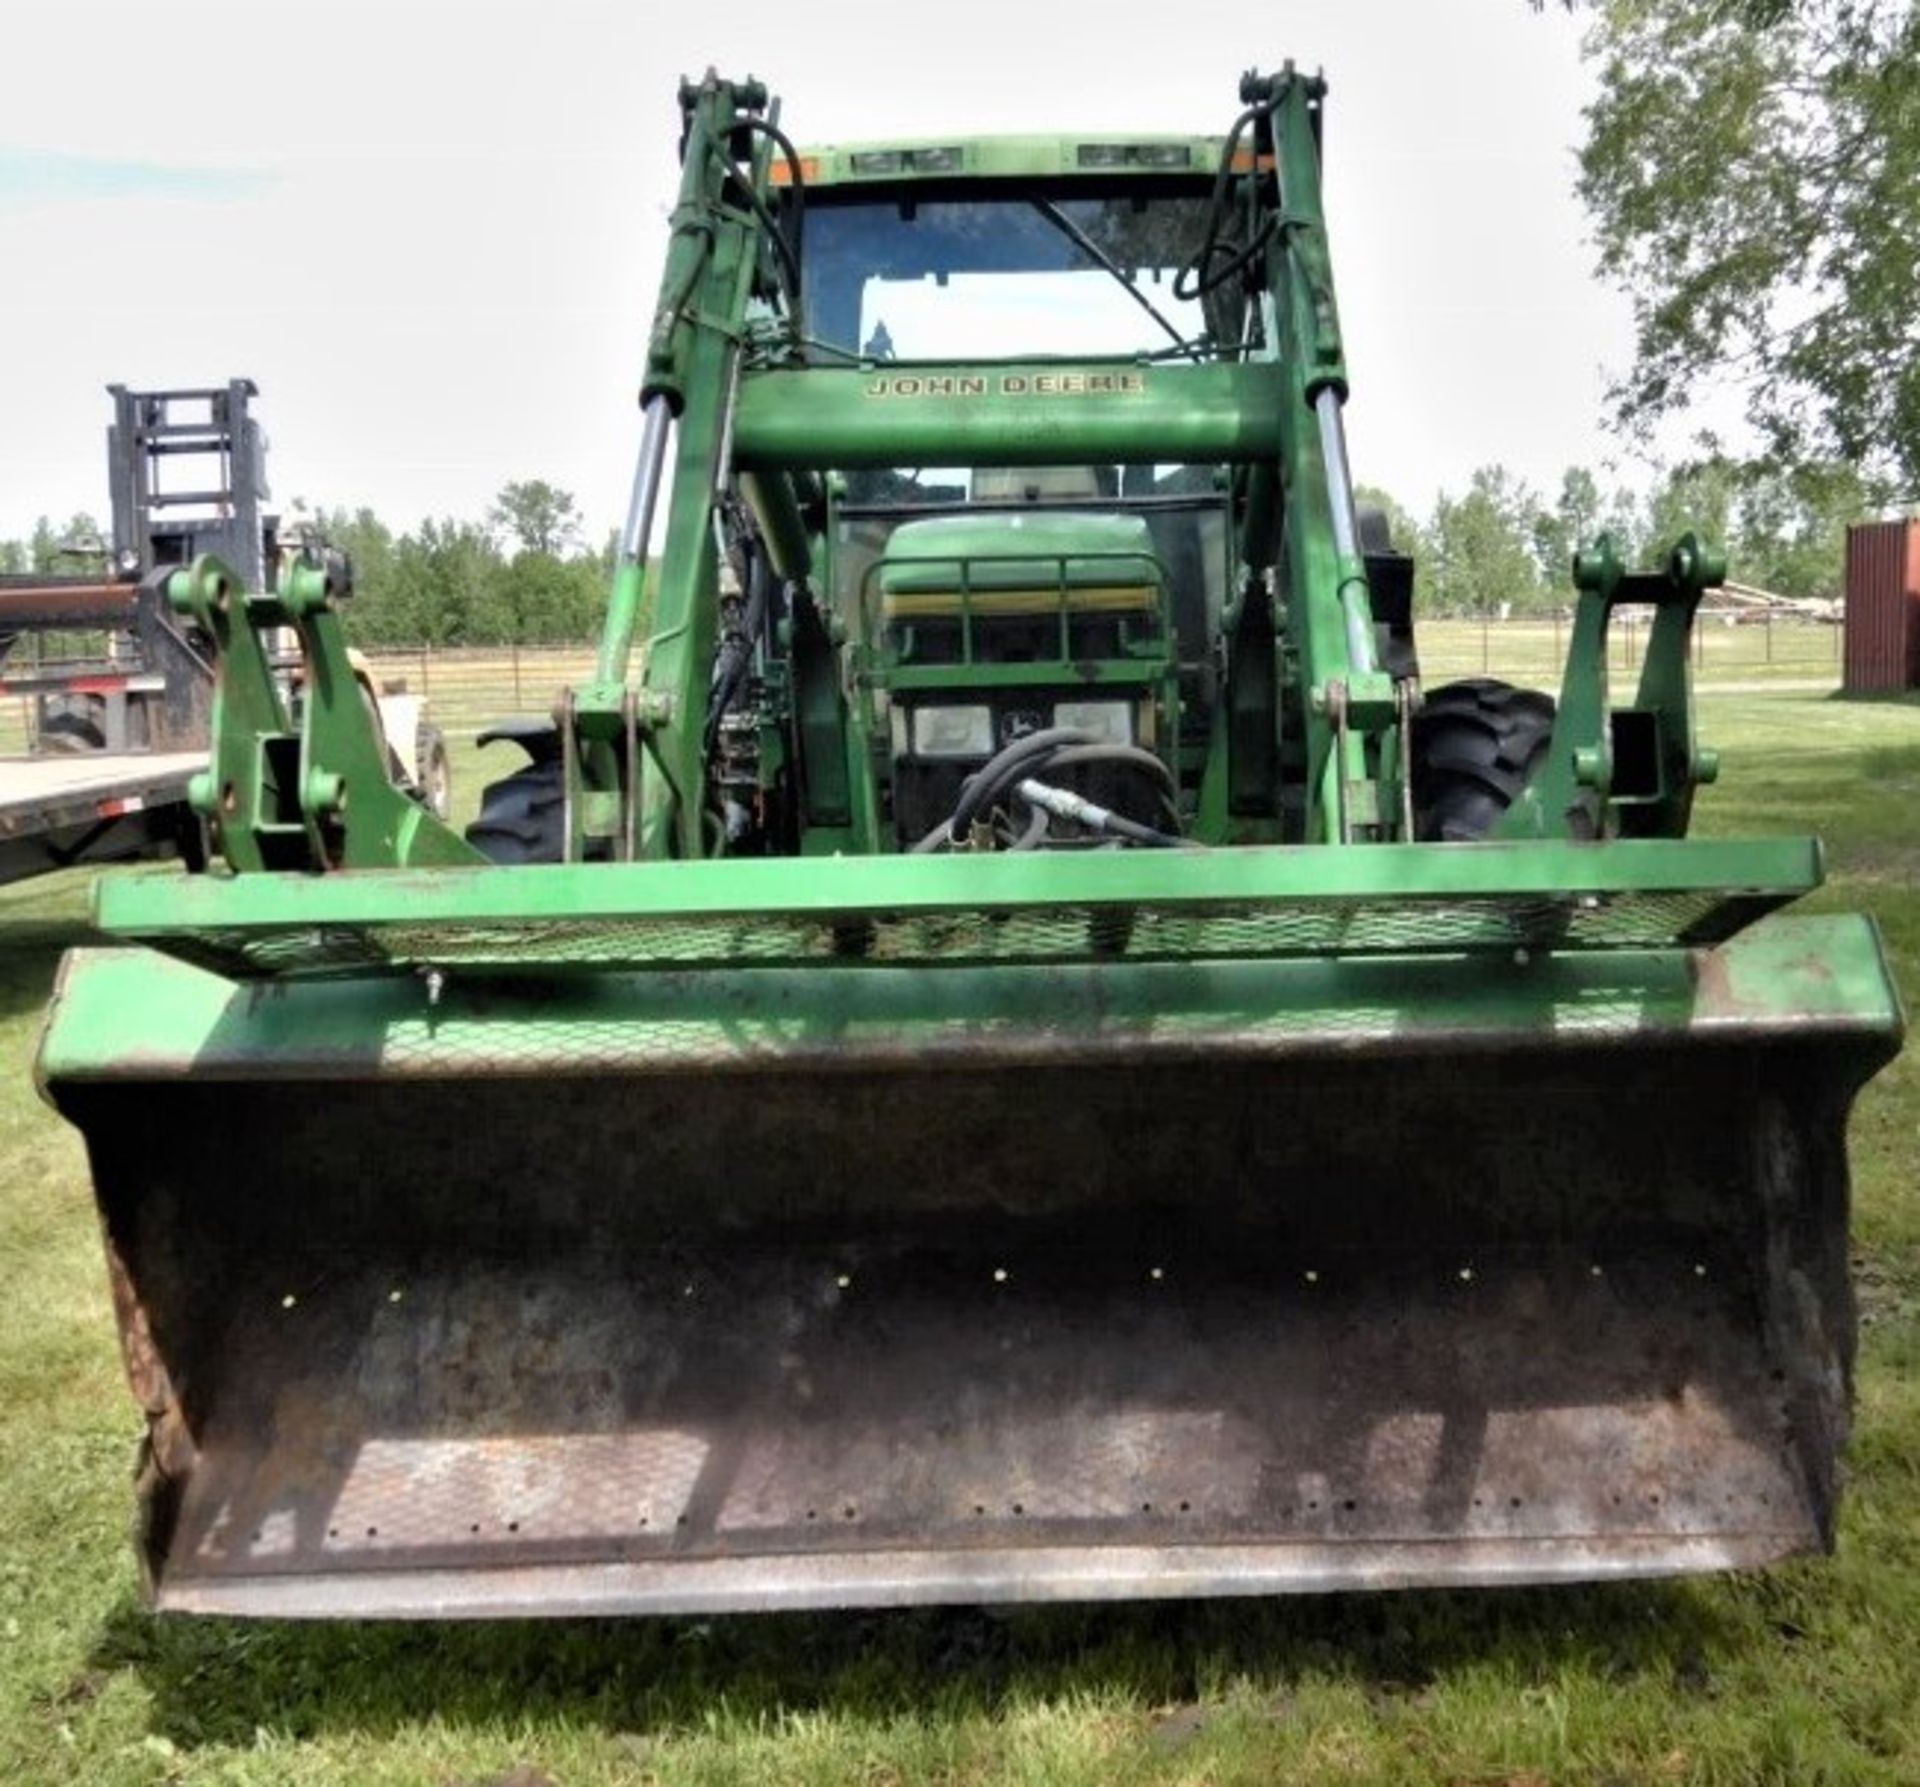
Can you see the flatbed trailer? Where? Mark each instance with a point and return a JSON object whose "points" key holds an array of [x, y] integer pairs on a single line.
{"points": [[95, 807], [116, 687]]}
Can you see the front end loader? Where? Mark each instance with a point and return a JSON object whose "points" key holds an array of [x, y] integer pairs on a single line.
{"points": [[1003, 1046]]}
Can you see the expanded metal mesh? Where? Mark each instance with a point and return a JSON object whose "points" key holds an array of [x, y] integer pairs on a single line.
{"points": [[1299, 927]]}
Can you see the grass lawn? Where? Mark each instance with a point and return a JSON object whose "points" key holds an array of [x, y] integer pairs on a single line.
{"points": [[1809, 1673]]}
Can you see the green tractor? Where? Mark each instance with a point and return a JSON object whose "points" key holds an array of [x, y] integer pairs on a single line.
{"points": [[1003, 1047]]}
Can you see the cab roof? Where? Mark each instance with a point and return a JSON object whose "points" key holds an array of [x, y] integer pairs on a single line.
{"points": [[946, 158]]}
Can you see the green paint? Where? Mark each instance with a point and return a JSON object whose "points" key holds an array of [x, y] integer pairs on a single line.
{"points": [[1178, 414], [1787, 979], [1015, 157], [1768, 871], [306, 796]]}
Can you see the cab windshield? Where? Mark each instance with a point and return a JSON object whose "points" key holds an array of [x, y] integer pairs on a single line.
{"points": [[900, 275]]}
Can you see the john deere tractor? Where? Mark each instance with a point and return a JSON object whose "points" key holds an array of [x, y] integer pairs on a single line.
{"points": [[1004, 1046]]}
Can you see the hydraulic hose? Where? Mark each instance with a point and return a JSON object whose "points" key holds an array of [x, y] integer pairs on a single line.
{"points": [[786, 248], [1008, 763], [1011, 769], [1037, 821], [735, 657], [1001, 771], [1131, 755], [1199, 276], [1065, 804], [796, 186]]}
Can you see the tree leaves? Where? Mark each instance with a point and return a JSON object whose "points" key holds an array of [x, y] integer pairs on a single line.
{"points": [[1753, 171], [449, 583], [1498, 547], [539, 515]]}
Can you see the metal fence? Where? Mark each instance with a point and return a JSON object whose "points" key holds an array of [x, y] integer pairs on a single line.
{"points": [[469, 687], [1760, 649], [466, 689]]}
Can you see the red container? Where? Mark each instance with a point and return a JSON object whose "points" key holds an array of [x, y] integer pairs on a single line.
{"points": [[1883, 606]]}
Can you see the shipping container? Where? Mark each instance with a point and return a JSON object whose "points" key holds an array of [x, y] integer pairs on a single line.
{"points": [[1883, 606]]}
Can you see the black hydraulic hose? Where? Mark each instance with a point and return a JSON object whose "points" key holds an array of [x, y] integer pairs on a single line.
{"points": [[1198, 277], [979, 791], [1130, 755], [1037, 753], [1113, 753], [1137, 833], [783, 249], [787, 251], [1095, 817], [737, 652], [1134, 832], [1247, 255], [1036, 830], [796, 185]]}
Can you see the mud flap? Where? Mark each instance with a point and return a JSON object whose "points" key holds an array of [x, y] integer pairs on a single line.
{"points": [[811, 1288]]}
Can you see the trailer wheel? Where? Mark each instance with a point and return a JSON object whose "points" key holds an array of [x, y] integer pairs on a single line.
{"points": [[522, 817], [431, 773], [1476, 745], [70, 729]]}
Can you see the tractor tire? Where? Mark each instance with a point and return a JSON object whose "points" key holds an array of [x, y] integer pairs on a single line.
{"points": [[72, 731], [1476, 745], [522, 817], [432, 775]]}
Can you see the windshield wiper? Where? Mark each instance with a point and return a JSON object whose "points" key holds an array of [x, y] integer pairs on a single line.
{"points": [[1100, 258]]}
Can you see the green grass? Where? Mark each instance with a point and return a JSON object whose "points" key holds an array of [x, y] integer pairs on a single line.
{"points": [[1809, 1673]]}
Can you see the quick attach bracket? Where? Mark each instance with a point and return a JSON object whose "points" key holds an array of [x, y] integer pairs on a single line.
{"points": [[1625, 771], [296, 777]]}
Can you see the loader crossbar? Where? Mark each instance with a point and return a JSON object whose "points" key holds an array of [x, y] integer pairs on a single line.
{"points": [[1275, 902]]}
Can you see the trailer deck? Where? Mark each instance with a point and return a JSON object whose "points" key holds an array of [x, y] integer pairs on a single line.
{"points": [[93, 807]]}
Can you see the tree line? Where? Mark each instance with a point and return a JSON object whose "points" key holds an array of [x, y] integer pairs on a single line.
{"points": [[523, 575], [1501, 547]]}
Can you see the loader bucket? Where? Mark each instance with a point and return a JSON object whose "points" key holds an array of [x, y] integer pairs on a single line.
{"points": [[838, 1281]]}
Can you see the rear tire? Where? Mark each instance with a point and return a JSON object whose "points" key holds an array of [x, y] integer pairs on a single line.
{"points": [[522, 818], [1476, 745]]}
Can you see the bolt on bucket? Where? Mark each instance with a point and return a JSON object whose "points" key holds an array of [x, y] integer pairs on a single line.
{"points": [[848, 1285]]}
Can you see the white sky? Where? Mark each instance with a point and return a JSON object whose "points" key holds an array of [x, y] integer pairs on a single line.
{"points": [[432, 231]]}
